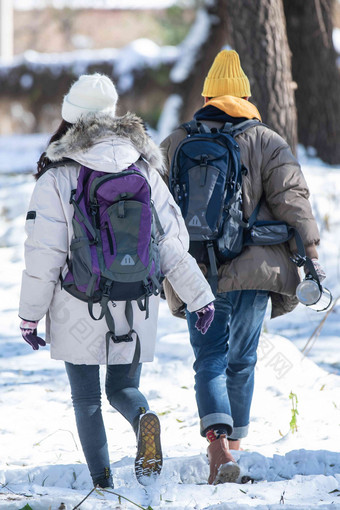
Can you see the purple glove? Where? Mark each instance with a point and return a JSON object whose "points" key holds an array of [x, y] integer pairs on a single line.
{"points": [[205, 317], [29, 334]]}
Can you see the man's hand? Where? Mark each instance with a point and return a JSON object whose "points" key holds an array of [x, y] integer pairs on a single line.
{"points": [[318, 269]]}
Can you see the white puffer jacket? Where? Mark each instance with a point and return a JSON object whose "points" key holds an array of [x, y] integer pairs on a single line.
{"points": [[108, 145]]}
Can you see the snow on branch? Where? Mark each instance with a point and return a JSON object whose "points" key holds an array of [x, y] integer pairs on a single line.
{"points": [[89, 4], [189, 49], [139, 54]]}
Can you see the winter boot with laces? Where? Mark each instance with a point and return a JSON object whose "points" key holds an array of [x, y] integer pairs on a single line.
{"points": [[149, 460], [223, 467]]}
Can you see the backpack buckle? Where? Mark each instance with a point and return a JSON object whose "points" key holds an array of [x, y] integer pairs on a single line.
{"points": [[117, 339], [94, 208], [298, 259], [150, 287], [73, 192], [107, 289], [177, 190]]}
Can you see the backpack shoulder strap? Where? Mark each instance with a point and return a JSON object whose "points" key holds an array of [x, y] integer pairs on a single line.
{"points": [[61, 162], [237, 129], [190, 127], [157, 220], [193, 127]]}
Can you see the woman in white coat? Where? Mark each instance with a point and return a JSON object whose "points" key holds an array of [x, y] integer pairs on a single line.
{"points": [[92, 135]]}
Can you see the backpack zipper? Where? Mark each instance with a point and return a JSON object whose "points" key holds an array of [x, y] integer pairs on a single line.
{"points": [[109, 238]]}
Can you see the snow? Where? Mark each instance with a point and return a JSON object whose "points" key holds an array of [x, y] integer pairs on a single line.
{"points": [[336, 39], [195, 39], [41, 462], [169, 118], [23, 160], [97, 4], [136, 55]]}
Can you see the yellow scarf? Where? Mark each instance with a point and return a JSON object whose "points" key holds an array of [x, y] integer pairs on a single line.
{"points": [[235, 107]]}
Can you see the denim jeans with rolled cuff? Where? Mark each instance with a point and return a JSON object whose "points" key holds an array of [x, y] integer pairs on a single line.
{"points": [[225, 359], [122, 393]]}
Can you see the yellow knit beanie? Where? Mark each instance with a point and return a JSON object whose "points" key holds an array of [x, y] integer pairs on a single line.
{"points": [[226, 77]]}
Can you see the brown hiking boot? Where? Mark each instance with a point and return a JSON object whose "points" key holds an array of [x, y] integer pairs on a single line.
{"points": [[223, 467], [149, 460]]}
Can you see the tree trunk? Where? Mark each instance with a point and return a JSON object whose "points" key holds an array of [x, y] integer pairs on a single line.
{"points": [[205, 40], [258, 34], [309, 29]]}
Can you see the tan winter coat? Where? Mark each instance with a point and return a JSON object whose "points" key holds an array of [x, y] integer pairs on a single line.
{"points": [[275, 175], [109, 145]]}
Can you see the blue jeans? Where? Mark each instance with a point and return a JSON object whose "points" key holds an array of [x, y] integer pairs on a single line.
{"points": [[122, 393], [225, 359]]}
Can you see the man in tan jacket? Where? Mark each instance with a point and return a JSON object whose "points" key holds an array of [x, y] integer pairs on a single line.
{"points": [[225, 357]]}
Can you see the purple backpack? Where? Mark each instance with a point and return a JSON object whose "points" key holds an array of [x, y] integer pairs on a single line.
{"points": [[114, 253]]}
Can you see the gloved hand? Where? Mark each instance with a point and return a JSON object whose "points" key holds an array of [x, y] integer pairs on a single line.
{"points": [[29, 334], [205, 317], [318, 269]]}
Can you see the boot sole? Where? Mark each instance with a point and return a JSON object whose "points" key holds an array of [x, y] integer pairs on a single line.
{"points": [[149, 460], [227, 473]]}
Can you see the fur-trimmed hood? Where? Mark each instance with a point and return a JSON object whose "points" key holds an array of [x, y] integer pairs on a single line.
{"points": [[107, 143]]}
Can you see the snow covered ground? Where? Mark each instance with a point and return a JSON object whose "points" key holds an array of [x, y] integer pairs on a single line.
{"points": [[41, 462]]}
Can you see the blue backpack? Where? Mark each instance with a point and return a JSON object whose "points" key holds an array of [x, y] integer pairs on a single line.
{"points": [[206, 182]]}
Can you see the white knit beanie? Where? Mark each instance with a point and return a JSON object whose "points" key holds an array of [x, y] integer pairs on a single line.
{"points": [[90, 93]]}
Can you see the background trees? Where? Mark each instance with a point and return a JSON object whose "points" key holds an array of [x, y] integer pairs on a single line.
{"points": [[314, 67], [259, 35], [287, 52], [285, 46]]}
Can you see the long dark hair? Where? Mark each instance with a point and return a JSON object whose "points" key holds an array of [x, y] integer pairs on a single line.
{"points": [[43, 160]]}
